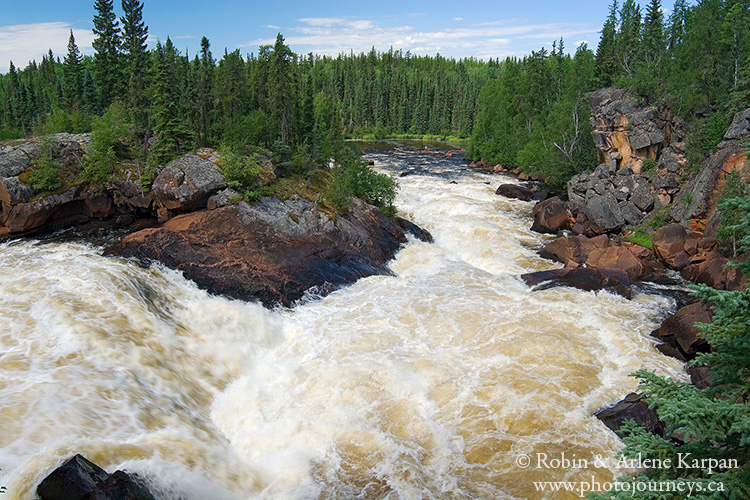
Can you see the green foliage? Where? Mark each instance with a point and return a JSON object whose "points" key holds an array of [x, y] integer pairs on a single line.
{"points": [[352, 177], [658, 219], [709, 134], [45, 174], [648, 166], [101, 158], [641, 237], [241, 173], [734, 231]]}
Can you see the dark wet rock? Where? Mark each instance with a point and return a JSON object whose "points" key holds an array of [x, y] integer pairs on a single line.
{"points": [[583, 278], [550, 216], [273, 250], [186, 184], [541, 195], [679, 330], [635, 408], [514, 191], [80, 479], [27, 216], [410, 228]]}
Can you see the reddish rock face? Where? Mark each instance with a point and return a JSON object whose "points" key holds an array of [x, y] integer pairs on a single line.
{"points": [[617, 258], [514, 191], [550, 216], [272, 251], [582, 278], [709, 267], [632, 407], [680, 331], [669, 246]]}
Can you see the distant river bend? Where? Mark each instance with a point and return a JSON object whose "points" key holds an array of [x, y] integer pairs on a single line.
{"points": [[430, 383]]}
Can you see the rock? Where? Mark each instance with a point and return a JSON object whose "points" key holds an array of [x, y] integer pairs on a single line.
{"points": [[740, 127], [604, 213], [709, 267], [617, 258], [550, 216], [410, 228], [583, 278], [187, 183], [223, 198], [13, 162], [635, 408], [573, 250], [642, 197], [514, 191], [99, 206], [81, 479], [679, 329], [630, 213], [541, 195], [13, 191], [669, 246], [273, 250], [665, 180], [74, 480], [27, 216], [700, 376]]}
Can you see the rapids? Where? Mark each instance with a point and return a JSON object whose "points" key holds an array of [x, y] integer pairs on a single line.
{"points": [[429, 383]]}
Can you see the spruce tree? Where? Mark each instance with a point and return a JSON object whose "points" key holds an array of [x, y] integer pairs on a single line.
{"points": [[205, 92], [281, 89], [134, 34], [72, 77], [107, 44]]}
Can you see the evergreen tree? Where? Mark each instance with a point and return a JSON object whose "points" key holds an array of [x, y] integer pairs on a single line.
{"points": [[649, 79], [73, 77], [134, 34], [281, 92], [628, 36], [107, 44], [205, 93]]}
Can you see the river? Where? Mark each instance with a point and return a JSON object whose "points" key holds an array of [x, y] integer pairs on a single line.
{"points": [[434, 382]]}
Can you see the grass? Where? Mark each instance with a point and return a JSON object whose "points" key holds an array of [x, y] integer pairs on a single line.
{"points": [[641, 237]]}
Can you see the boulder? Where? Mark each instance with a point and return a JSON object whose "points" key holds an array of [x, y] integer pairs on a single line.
{"points": [[700, 376], [635, 408], [583, 278], [617, 258], [13, 191], [669, 246], [550, 216], [679, 329], [27, 216], [186, 184], [573, 250], [272, 250], [604, 213], [710, 267], [514, 191], [13, 162], [79, 479]]}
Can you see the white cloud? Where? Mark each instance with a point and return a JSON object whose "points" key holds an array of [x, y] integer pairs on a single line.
{"points": [[458, 18], [23, 42], [498, 38]]}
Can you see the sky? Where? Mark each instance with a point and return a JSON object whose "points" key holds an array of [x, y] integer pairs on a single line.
{"points": [[457, 28]]}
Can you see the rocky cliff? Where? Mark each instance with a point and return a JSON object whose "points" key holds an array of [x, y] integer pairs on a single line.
{"points": [[643, 168]]}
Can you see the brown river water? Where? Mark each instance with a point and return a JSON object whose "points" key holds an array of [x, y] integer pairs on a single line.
{"points": [[435, 382]]}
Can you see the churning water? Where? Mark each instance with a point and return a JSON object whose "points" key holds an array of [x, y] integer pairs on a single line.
{"points": [[426, 384]]}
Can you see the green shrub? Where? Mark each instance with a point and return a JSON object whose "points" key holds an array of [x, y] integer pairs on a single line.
{"points": [[241, 173], [704, 140], [730, 229], [45, 174], [99, 167], [354, 178], [658, 219]]}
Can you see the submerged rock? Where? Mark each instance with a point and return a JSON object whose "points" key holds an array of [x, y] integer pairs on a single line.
{"points": [[273, 250], [583, 278], [79, 478], [515, 191]]}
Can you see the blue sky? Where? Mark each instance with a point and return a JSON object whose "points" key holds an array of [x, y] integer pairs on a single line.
{"points": [[463, 28]]}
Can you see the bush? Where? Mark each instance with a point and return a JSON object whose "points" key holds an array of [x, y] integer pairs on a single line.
{"points": [[99, 167], [352, 177], [45, 175], [241, 173], [732, 213], [709, 134]]}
